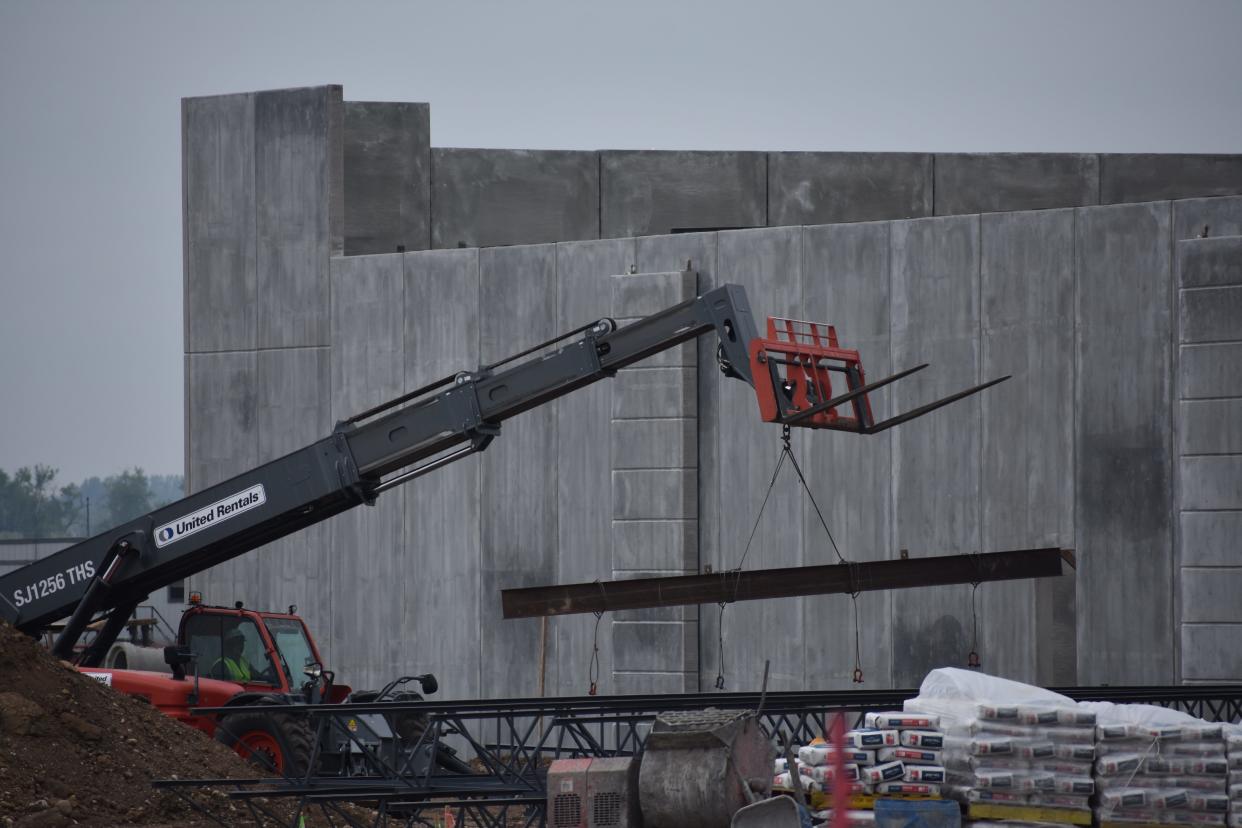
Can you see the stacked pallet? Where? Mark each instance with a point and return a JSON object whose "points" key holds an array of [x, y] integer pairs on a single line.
{"points": [[1011, 751], [1162, 773]]}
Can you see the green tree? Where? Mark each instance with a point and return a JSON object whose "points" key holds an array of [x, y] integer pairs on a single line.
{"points": [[127, 495], [32, 507]]}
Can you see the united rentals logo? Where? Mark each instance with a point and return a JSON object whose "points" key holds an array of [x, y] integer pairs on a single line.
{"points": [[217, 512]]}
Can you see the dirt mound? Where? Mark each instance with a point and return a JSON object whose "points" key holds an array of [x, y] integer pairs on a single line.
{"points": [[73, 751]]}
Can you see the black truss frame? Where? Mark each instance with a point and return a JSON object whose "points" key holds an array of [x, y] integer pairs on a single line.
{"points": [[511, 740]]}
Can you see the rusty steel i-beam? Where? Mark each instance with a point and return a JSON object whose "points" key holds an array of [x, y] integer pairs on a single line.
{"points": [[736, 585]]}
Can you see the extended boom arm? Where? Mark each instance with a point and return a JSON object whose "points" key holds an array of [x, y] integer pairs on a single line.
{"points": [[426, 429]]}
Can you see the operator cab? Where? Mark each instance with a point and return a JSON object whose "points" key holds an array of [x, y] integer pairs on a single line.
{"points": [[260, 650]]}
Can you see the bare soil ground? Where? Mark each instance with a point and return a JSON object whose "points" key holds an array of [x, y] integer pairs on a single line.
{"points": [[75, 752]]}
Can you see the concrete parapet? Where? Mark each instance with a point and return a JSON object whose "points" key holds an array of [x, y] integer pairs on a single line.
{"points": [[485, 198], [836, 187], [649, 193], [997, 181], [387, 177]]}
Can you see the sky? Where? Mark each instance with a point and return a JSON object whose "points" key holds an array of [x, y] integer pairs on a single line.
{"points": [[91, 339]]}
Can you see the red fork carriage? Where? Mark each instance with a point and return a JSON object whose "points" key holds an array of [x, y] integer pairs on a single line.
{"points": [[793, 366]]}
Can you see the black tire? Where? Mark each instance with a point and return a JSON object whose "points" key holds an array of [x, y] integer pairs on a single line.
{"points": [[277, 742]]}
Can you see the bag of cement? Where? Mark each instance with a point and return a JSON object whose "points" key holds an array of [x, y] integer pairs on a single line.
{"points": [[1185, 766], [901, 721], [1114, 732], [983, 746], [1168, 798], [924, 773], [1232, 734], [1075, 785], [1235, 790], [826, 773], [910, 756], [997, 712], [1234, 762], [872, 738], [814, 754], [780, 765], [1146, 747], [1124, 798], [888, 772], [1203, 732], [1080, 753], [1235, 819], [1146, 815], [1001, 797], [1200, 750], [907, 789], [1032, 749], [1038, 714], [1066, 735], [1055, 800], [1204, 784], [1001, 762], [1118, 763], [997, 779], [784, 780], [1062, 767], [1215, 803], [856, 757], [922, 739]]}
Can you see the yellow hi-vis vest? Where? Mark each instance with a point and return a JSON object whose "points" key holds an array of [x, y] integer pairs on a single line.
{"points": [[238, 670]]}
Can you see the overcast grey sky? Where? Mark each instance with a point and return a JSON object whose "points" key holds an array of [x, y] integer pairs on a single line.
{"points": [[90, 177]]}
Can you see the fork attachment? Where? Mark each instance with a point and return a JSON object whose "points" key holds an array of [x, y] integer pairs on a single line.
{"points": [[792, 368]]}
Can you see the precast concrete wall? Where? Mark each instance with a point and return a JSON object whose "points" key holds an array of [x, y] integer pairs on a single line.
{"points": [[1111, 438]]}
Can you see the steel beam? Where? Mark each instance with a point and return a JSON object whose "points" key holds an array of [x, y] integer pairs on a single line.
{"points": [[737, 585]]}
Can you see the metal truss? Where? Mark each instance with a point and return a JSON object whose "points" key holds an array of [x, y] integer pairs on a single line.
{"points": [[510, 742]]}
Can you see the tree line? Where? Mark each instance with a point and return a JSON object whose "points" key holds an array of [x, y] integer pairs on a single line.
{"points": [[34, 505]]}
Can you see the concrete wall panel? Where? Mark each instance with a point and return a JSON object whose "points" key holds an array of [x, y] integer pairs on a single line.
{"points": [[293, 410], [584, 293], [1147, 177], [1210, 370], [221, 402], [1208, 262], [836, 187], [1221, 216], [1211, 482], [1210, 652], [647, 444], [936, 459], [768, 263], [991, 182], [1210, 426], [517, 309], [484, 197], [367, 545], [1211, 538], [1123, 471], [1027, 285], [442, 554], [387, 177], [649, 193], [846, 283], [217, 148], [299, 195], [1210, 315], [1211, 595], [680, 544]]}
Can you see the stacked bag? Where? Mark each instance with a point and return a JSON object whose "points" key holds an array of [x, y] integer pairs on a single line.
{"points": [[900, 753], [1233, 753], [1010, 743], [1160, 766], [896, 754]]}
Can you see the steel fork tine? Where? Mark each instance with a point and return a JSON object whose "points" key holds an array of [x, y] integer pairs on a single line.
{"points": [[849, 395], [932, 406]]}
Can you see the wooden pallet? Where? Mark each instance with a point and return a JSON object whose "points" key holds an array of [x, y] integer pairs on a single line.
{"points": [[1027, 813]]}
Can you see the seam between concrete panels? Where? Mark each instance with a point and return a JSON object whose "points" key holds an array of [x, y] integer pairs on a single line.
{"points": [[1172, 303]]}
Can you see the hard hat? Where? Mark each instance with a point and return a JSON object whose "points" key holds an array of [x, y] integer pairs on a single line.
{"points": [[235, 634]]}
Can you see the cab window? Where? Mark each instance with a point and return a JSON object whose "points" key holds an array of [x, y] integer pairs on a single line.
{"points": [[290, 639], [229, 648]]}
